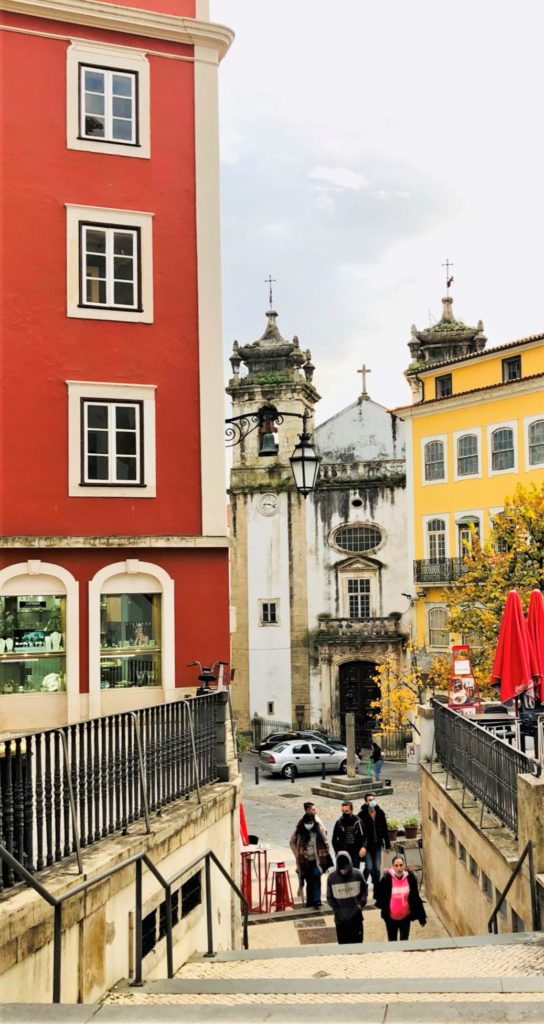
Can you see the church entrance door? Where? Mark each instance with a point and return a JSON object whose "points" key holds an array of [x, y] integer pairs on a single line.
{"points": [[357, 692]]}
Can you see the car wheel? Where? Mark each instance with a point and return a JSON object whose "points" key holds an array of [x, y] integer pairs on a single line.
{"points": [[343, 767], [289, 771]]}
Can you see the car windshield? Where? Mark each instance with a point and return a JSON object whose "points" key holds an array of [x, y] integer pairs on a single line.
{"points": [[281, 746]]}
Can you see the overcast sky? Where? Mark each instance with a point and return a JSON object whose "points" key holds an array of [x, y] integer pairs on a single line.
{"points": [[364, 143]]}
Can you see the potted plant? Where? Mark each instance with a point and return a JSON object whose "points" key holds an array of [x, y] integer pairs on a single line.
{"points": [[411, 826], [392, 828]]}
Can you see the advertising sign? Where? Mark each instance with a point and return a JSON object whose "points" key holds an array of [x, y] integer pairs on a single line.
{"points": [[463, 693]]}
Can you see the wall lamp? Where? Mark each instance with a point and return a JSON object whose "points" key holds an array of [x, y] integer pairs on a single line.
{"points": [[304, 460]]}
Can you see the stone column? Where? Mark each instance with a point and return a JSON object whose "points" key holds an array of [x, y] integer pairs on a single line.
{"points": [[350, 742], [531, 817]]}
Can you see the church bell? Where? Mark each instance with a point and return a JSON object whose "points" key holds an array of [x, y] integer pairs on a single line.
{"points": [[268, 445]]}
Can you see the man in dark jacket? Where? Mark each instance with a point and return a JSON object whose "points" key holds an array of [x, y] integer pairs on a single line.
{"points": [[376, 831], [346, 894], [348, 834]]}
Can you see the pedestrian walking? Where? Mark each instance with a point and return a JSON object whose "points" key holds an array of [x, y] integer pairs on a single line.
{"points": [[376, 833], [346, 894], [348, 834], [376, 757], [311, 809], [398, 898], [310, 846]]}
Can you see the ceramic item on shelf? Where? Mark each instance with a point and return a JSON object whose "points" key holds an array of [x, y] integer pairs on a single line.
{"points": [[48, 643], [55, 638], [51, 682], [9, 643], [2, 645]]}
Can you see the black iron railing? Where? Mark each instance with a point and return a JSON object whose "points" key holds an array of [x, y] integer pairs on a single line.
{"points": [[486, 765], [444, 570], [492, 924], [64, 789]]}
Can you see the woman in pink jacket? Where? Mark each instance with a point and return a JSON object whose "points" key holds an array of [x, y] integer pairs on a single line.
{"points": [[398, 898]]}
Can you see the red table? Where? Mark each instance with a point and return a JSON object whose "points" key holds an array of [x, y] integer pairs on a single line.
{"points": [[254, 869]]}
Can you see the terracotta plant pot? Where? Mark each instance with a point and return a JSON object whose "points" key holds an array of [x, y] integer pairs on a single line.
{"points": [[392, 834], [410, 831]]}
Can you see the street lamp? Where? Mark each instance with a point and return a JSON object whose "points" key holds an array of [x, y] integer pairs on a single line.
{"points": [[304, 460]]}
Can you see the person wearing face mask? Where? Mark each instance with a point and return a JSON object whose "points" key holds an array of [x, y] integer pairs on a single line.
{"points": [[312, 856], [376, 831], [348, 834], [346, 894], [398, 898]]}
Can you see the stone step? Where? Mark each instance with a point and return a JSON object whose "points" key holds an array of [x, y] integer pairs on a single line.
{"points": [[345, 790]]}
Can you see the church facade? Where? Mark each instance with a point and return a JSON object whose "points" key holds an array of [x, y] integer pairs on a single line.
{"points": [[318, 584]]}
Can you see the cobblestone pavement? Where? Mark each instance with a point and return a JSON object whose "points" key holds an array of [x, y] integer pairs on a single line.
{"points": [[520, 960]]}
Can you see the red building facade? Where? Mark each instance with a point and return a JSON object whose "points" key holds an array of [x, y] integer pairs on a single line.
{"points": [[113, 558]]}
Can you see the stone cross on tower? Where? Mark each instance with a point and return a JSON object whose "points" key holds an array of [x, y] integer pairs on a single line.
{"points": [[270, 281], [449, 278], [363, 397]]}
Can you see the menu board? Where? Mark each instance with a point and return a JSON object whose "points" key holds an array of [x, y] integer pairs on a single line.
{"points": [[463, 695]]}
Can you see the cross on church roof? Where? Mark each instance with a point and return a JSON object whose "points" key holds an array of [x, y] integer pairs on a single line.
{"points": [[270, 281], [363, 371], [449, 280]]}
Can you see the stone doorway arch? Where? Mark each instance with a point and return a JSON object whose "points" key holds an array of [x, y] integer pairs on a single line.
{"points": [[357, 691]]}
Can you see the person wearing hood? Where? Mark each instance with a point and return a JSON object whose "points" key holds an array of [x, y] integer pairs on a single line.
{"points": [[398, 898], [346, 894], [311, 849]]}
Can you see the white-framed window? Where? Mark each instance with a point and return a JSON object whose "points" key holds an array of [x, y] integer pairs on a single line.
{"points": [[534, 440], [110, 258], [436, 539], [434, 451], [108, 100], [111, 440], [269, 613], [437, 626], [359, 598], [468, 528], [500, 544], [502, 447], [109, 264], [467, 453]]}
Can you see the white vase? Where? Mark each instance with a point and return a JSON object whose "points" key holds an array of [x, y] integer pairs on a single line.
{"points": [[2, 645], [9, 643], [48, 643], [55, 640]]}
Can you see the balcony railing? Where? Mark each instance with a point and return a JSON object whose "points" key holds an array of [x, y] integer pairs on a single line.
{"points": [[65, 789], [486, 765], [378, 627], [378, 469], [445, 570]]}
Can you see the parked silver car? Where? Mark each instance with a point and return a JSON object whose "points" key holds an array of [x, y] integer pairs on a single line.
{"points": [[298, 757]]}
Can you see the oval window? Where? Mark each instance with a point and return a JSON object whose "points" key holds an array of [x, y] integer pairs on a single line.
{"points": [[357, 539]]}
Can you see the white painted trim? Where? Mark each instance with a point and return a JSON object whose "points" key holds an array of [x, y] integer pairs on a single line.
{"points": [[123, 59], [133, 392], [429, 607], [424, 442], [122, 218], [129, 20], [210, 325], [461, 433], [477, 396], [269, 600], [427, 519], [101, 583], [471, 513], [528, 420], [491, 427], [31, 574]]}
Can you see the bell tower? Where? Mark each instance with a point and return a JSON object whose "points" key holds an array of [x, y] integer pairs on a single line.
{"points": [[271, 389]]}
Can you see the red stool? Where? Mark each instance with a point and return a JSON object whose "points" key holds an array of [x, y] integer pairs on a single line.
{"points": [[278, 894]]}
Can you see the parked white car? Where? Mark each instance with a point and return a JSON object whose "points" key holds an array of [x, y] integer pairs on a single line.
{"points": [[302, 756]]}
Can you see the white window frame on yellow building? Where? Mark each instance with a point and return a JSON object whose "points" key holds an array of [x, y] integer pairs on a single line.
{"points": [[458, 434], [475, 515], [491, 428], [438, 606], [428, 519], [443, 438], [527, 423]]}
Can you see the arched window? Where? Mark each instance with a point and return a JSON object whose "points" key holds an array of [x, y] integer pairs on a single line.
{"points": [[536, 443], [502, 449], [438, 627], [467, 455], [434, 460], [436, 540], [468, 528]]}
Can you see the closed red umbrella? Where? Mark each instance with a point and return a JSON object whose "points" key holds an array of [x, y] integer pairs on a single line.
{"points": [[535, 623], [243, 827], [515, 662]]}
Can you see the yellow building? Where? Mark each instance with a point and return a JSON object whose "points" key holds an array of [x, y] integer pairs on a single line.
{"points": [[475, 429]]}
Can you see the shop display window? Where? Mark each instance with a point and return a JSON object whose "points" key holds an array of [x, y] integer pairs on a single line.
{"points": [[130, 640], [32, 644]]}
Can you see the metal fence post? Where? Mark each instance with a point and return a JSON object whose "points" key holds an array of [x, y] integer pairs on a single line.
{"points": [[169, 941], [138, 926], [57, 951], [141, 769], [209, 918]]}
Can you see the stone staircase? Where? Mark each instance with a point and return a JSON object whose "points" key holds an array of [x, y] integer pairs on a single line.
{"points": [[342, 787], [476, 979]]}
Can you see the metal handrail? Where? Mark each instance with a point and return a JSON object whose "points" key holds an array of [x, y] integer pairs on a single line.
{"points": [[57, 903], [492, 924], [71, 798]]}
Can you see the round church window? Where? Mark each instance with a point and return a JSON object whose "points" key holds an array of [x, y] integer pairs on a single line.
{"points": [[357, 539]]}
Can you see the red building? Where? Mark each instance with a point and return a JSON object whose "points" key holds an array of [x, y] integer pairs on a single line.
{"points": [[113, 558]]}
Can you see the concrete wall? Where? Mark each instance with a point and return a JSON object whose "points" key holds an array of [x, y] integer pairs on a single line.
{"points": [[98, 926], [467, 867]]}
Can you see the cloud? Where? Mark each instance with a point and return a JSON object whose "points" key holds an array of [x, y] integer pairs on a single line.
{"points": [[340, 177]]}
